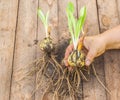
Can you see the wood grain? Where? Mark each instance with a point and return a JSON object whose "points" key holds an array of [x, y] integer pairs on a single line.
{"points": [[118, 7], [8, 17], [25, 50], [63, 22], [22, 32], [108, 17], [51, 6], [92, 90]]}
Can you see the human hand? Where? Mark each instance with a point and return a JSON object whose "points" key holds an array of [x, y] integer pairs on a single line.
{"points": [[95, 46]]}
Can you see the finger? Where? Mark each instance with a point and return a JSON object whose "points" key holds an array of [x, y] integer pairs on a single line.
{"points": [[90, 56], [66, 62], [68, 51]]}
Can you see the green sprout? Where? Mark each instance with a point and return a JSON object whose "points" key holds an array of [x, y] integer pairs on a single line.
{"points": [[75, 25], [44, 19]]}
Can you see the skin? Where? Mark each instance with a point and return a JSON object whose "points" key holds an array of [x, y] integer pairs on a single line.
{"points": [[97, 44]]}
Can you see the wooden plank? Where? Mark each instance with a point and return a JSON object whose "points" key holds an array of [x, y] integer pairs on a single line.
{"points": [[108, 17], [118, 7], [24, 50], [8, 17], [92, 90], [63, 23], [51, 6]]}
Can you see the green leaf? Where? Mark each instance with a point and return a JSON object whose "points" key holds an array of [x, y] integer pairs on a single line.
{"points": [[41, 16], [70, 10], [44, 19], [81, 21], [75, 26], [82, 15], [70, 7], [47, 17], [70, 21], [73, 20]]}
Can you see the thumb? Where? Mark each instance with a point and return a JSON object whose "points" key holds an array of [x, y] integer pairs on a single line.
{"points": [[90, 56]]}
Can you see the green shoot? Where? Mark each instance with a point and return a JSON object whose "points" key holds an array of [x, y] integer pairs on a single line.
{"points": [[75, 25], [44, 19]]}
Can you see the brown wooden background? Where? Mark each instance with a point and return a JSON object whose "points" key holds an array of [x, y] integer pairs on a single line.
{"points": [[20, 27]]}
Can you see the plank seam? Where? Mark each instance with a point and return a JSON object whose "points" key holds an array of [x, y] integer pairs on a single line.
{"points": [[36, 48], [97, 6], [14, 49], [98, 18], [117, 9]]}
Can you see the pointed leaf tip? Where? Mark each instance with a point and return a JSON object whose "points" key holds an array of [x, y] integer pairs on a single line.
{"points": [[70, 7], [83, 11]]}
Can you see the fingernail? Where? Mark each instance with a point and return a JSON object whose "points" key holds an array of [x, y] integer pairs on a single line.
{"points": [[87, 62]]}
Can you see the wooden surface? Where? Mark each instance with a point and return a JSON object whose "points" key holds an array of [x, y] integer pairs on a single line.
{"points": [[8, 20], [25, 51], [20, 27], [108, 18], [92, 90]]}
